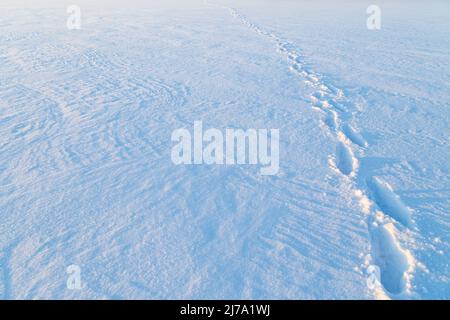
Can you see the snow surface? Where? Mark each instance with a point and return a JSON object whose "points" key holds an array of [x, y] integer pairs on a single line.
{"points": [[86, 176]]}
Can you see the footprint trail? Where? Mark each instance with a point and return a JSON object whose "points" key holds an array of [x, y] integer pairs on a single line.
{"points": [[376, 198]]}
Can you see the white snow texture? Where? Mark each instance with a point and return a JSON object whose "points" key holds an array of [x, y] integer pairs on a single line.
{"points": [[88, 188]]}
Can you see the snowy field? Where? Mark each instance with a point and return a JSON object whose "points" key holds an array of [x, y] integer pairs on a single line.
{"points": [[359, 208]]}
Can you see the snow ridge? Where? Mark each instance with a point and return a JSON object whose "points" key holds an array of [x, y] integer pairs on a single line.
{"points": [[377, 199]]}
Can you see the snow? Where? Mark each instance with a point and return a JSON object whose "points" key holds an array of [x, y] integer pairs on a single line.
{"points": [[86, 177]]}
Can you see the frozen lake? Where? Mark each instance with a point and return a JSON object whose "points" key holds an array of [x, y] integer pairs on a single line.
{"points": [[359, 207]]}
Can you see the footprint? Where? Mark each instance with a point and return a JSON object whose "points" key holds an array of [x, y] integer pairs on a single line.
{"points": [[390, 203], [344, 159], [354, 136], [331, 120], [394, 262]]}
